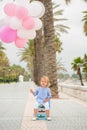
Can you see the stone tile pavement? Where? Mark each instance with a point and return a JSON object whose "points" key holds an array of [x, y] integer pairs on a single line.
{"points": [[13, 99], [16, 110]]}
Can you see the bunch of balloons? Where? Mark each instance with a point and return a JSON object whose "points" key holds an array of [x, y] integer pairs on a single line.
{"points": [[21, 22]]}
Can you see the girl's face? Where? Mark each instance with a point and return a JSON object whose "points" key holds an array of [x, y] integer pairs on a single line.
{"points": [[43, 83]]}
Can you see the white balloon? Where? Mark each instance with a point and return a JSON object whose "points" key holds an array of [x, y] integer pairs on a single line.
{"points": [[38, 23], [36, 9], [43, 9], [32, 34], [26, 34], [24, 3], [15, 23], [22, 33], [2, 22], [7, 19]]}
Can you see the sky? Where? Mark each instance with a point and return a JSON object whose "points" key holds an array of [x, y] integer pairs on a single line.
{"points": [[74, 43]]}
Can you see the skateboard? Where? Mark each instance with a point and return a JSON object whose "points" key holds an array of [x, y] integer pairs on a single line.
{"points": [[41, 115]]}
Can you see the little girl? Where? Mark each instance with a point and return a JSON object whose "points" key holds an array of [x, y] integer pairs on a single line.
{"points": [[43, 94]]}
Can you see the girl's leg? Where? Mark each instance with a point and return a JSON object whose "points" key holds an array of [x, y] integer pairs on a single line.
{"points": [[36, 108], [35, 112], [47, 113], [47, 109]]}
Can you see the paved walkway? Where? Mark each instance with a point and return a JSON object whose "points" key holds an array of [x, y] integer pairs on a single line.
{"points": [[67, 113], [13, 99]]}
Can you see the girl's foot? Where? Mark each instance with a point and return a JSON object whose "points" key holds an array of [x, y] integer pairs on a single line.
{"points": [[49, 118], [34, 118]]}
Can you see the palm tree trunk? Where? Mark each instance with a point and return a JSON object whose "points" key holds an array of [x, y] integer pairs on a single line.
{"points": [[38, 57], [50, 47], [80, 76]]}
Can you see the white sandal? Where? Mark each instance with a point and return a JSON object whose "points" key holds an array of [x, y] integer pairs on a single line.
{"points": [[34, 118], [49, 118]]}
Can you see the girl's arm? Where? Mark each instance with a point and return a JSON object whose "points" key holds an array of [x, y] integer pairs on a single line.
{"points": [[47, 99], [35, 93], [48, 96], [32, 91]]}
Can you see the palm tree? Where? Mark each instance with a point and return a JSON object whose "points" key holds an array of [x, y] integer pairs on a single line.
{"points": [[4, 62], [85, 70], [50, 47], [85, 22], [58, 44], [85, 59], [1, 46], [76, 64], [27, 55], [3, 58], [59, 28], [85, 65]]}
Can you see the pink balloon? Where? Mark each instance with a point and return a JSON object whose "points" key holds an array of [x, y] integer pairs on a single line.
{"points": [[20, 43], [7, 34], [21, 12], [0, 35], [10, 9], [28, 23]]}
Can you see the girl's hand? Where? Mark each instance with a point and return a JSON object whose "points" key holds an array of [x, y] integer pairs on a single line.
{"points": [[46, 100], [31, 91]]}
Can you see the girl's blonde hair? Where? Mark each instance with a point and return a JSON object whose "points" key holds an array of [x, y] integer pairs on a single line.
{"points": [[47, 79]]}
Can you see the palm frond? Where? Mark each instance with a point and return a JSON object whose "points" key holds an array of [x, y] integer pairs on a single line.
{"points": [[67, 1], [1, 46], [85, 22], [61, 28], [55, 6], [56, 19], [58, 12]]}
